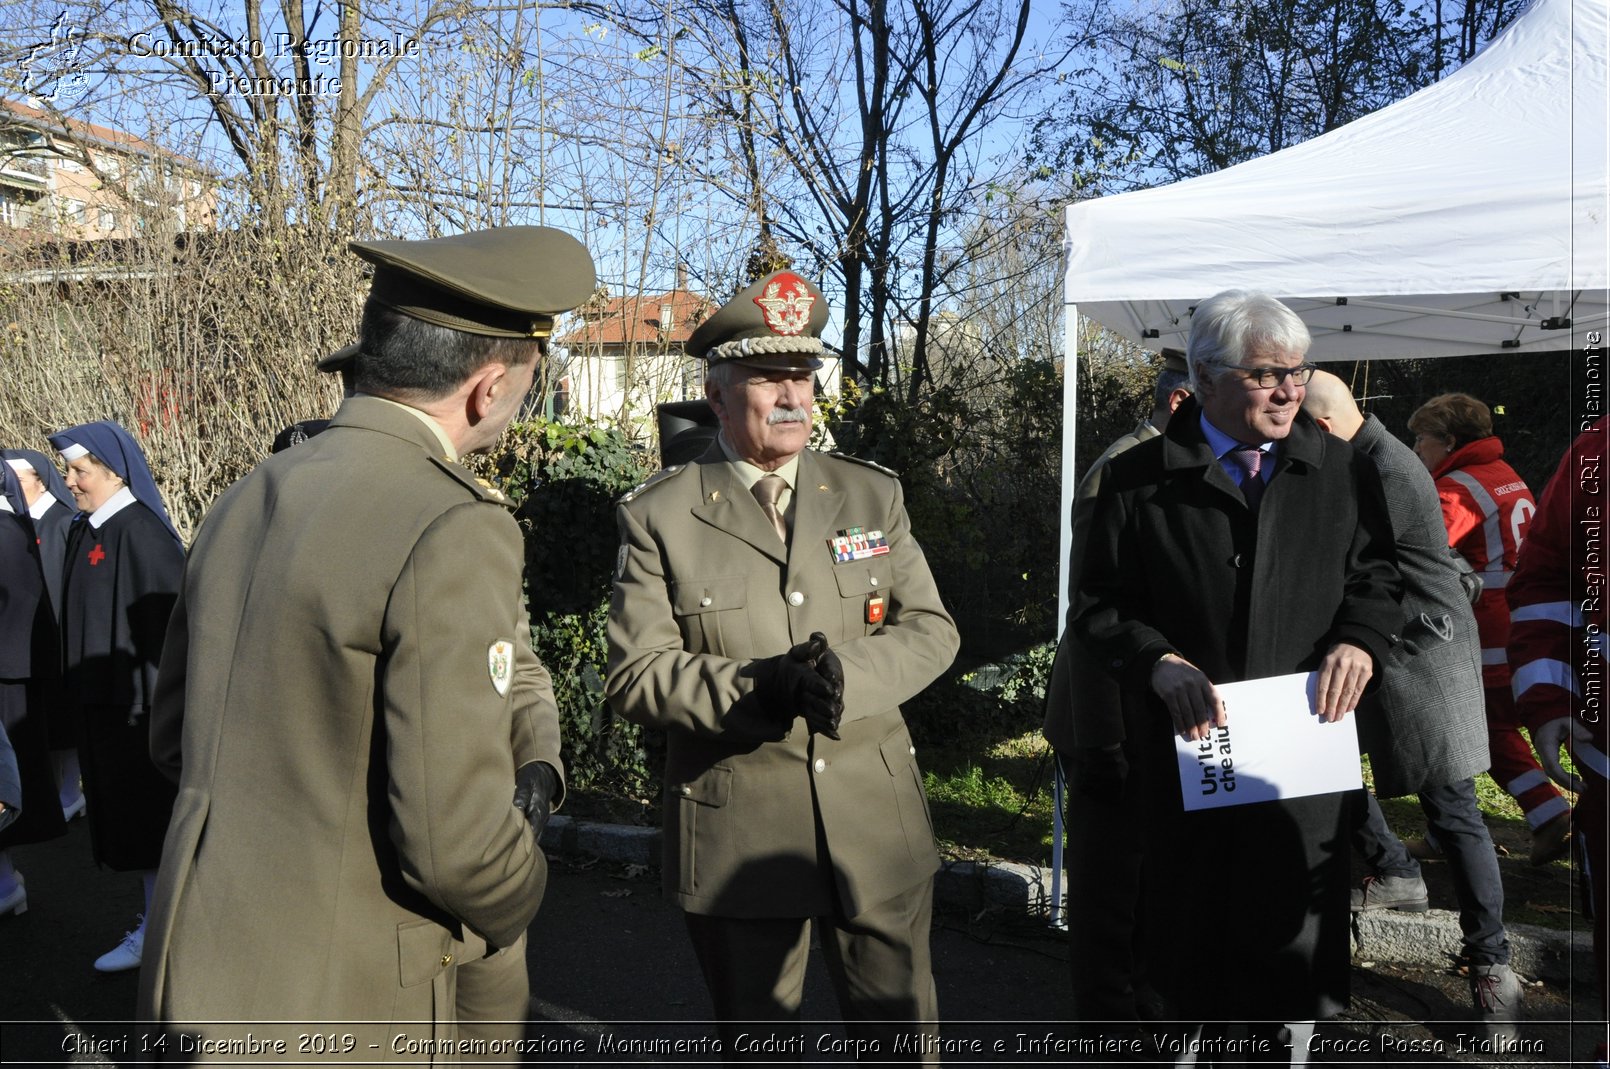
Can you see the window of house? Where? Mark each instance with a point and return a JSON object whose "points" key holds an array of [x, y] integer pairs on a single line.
{"points": [[108, 219]]}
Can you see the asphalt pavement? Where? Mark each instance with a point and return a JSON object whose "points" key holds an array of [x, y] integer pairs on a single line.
{"points": [[614, 982]]}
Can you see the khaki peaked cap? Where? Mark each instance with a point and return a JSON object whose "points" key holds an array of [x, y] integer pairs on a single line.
{"points": [[776, 323], [506, 282], [340, 360]]}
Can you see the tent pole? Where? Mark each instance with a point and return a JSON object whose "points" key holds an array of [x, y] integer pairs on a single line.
{"points": [[1070, 434]]}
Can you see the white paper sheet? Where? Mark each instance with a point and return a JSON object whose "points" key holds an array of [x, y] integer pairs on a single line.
{"points": [[1274, 746]]}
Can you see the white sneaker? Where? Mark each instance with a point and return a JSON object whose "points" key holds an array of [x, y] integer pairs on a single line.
{"points": [[15, 901], [124, 956]]}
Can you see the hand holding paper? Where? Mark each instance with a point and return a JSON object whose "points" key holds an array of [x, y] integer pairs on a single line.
{"points": [[1272, 744], [1192, 702]]}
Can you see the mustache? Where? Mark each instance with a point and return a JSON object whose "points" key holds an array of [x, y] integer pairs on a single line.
{"points": [[787, 415]]}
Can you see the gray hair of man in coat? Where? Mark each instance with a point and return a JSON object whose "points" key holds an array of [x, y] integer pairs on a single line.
{"points": [[1230, 327]]}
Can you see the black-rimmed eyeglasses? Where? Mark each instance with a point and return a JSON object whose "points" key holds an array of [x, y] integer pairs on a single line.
{"points": [[1267, 378]]}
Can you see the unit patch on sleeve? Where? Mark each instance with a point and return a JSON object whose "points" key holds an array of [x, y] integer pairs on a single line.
{"points": [[500, 665]]}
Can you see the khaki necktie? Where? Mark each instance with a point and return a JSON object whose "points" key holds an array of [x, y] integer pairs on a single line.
{"points": [[767, 491]]}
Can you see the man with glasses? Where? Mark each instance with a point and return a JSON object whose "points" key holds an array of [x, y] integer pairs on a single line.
{"points": [[1243, 543]]}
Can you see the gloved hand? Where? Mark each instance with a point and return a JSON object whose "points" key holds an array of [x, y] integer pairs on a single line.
{"points": [[830, 668], [788, 684], [534, 785]]}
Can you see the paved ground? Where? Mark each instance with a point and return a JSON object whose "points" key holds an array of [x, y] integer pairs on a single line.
{"points": [[610, 963]]}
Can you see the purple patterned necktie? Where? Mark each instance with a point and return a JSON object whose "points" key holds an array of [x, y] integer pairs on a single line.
{"points": [[1250, 459]]}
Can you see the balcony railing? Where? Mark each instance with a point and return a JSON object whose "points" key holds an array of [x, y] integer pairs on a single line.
{"points": [[25, 166]]}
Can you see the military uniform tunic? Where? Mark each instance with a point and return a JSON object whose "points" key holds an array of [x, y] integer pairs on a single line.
{"points": [[343, 717], [764, 819]]}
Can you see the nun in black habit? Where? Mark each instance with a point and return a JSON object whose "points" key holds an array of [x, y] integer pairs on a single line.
{"points": [[27, 649], [52, 509], [124, 563]]}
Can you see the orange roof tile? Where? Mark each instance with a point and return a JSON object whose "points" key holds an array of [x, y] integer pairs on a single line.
{"points": [[116, 139], [628, 320]]}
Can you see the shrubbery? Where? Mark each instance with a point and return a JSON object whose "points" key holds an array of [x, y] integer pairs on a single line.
{"points": [[565, 480]]}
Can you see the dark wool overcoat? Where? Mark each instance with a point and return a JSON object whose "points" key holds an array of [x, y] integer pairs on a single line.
{"points": [[1247, 906]]}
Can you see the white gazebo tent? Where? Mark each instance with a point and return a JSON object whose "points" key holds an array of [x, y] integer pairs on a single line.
{"points": [[1467, 218]]}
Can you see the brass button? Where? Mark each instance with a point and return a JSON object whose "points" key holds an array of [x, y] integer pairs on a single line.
{"points": [[796, 599], [686, 790], [873, 580], [447, 959], [820, 765], [704, 603], [912, 750]]}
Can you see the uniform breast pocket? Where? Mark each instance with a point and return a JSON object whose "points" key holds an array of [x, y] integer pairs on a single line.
{"points": [[713, 615], [865, 595]]}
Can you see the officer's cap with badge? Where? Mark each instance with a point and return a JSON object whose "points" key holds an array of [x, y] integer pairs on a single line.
{"points": [[775, 325], [507, 282]]}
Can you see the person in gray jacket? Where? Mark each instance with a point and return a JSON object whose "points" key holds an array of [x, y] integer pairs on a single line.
{"points": [[1425, 731]]}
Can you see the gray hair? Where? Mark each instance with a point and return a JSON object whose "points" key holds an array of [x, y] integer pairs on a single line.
{"points": [[1227, 327], [719, 373], [1168, 381]]}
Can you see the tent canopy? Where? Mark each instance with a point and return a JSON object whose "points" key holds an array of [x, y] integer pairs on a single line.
{"points": [[1469, 217]]}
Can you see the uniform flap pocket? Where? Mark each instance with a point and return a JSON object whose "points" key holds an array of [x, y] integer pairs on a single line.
{"points": [[897, 750], [692, 596], [424, 949], [711, 788], [861, 578]]}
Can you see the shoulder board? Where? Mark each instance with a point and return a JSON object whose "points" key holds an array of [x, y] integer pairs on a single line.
{"points": [[480, 487], [865, 464], [649, 483]]}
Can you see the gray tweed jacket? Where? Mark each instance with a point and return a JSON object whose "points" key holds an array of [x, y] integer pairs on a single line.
{"points": [[1425, 726]]}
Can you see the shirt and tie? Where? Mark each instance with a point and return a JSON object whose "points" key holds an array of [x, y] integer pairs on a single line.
{"points": [[773, 490], [1248, 466]]}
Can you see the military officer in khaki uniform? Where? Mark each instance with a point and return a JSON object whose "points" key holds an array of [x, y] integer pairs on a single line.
{"points": [[348, 680], [771, 611]]}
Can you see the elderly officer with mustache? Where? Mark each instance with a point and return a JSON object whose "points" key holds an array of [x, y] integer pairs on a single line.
{"points": [[771, 611]]}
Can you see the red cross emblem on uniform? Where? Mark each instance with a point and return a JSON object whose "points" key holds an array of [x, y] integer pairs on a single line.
{"points": [[96, 555]]}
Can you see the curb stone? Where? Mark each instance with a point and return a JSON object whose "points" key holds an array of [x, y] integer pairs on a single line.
{"points": [[1429, 938]]}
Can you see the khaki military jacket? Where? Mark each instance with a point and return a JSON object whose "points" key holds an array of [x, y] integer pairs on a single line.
{"points": [[346, 683], [762, 819]]}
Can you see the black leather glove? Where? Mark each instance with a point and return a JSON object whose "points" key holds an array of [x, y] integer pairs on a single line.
{"points": [[534, 785], [788, 684], [830, 668]]}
